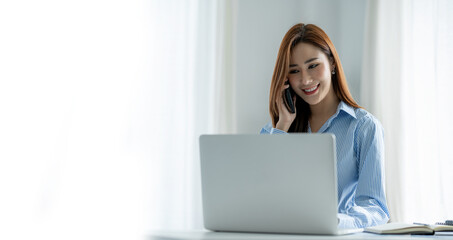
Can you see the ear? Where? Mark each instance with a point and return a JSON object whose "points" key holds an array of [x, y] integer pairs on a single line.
{"points": [[332, 63]]}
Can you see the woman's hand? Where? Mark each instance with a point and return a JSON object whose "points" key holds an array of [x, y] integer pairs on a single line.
{"points": [[285, 117]]}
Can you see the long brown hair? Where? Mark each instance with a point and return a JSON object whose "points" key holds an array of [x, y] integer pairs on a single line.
{"points": [[311, 34]]}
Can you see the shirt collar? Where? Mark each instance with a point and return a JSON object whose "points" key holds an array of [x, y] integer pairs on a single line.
{"points": [[346, 108], [341, 107]]}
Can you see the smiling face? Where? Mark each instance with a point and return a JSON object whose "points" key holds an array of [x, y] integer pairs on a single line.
{"points": [[310, 74]]}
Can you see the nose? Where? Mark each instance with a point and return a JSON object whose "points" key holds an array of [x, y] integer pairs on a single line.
{"points": [[306, 79]]}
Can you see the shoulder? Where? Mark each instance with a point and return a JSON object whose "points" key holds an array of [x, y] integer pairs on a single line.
{"points": [[368, 138], [366, 120], [358, 117]]}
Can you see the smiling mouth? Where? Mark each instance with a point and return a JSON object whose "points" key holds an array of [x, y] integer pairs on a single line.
{"points": [[312, 90]]}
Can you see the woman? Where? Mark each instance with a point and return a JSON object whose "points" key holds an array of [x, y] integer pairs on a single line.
{"points": [[308, 63]]}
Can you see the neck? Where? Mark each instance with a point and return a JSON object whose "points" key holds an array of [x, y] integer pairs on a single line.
{"points": [[326, 108]]}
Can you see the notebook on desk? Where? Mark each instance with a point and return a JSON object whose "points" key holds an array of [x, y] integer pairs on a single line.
{"points": [[270, 183]]}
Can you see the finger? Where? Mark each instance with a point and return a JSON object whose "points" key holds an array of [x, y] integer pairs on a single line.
{"points": [[284, 87], [286, 84]]}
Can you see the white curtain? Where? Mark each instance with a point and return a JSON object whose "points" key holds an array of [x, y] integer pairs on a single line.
{"points": [[192, 61], [405, 83], [101, 105], [70, 73]]}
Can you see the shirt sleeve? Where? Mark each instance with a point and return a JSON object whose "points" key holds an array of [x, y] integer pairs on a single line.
{"points": [[268, 129], [369, 207]]}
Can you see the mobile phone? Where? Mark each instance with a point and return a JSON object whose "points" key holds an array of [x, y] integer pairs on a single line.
{"points": [[288, 99]]}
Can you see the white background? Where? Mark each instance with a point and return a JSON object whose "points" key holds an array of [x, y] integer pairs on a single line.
{"points": [[102, 103]]}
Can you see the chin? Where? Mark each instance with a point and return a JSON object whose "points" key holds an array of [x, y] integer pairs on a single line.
{"points": [[313, 102]]}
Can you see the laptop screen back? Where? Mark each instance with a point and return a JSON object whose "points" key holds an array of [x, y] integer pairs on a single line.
{"points": [[269, 183]]}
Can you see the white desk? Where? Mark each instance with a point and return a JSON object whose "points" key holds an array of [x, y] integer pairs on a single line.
{"points": [[206, 235]]}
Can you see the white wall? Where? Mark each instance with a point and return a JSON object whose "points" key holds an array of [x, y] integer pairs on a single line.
{"points": [[260, 28]]}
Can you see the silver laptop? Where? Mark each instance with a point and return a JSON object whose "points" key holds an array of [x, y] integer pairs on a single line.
{"points": [[270, 183]]}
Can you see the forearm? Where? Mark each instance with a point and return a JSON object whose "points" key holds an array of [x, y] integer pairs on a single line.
{"points": [[363, 214], [283, 126]]}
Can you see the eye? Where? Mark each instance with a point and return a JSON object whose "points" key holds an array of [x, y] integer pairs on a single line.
{"points": [[293, 71], [313, 66]]}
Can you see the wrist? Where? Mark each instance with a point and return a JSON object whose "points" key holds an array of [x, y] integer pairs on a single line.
{"points": [[284, 126]]}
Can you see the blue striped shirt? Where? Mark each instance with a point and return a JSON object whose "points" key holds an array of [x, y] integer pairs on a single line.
{"points": [[360, 165]]}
